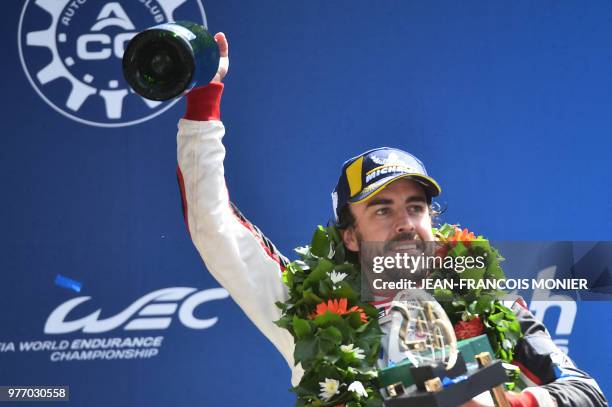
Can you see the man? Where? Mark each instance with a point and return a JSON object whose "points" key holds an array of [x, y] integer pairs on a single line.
{"points": [[382, 195]]}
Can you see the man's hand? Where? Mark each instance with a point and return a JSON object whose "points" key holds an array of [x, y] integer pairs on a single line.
{"points": [[524, 399], [478, 403], [484, 400], [224, 60]]}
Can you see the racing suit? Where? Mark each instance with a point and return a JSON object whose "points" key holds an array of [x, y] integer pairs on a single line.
{"points": [[248, 265]]}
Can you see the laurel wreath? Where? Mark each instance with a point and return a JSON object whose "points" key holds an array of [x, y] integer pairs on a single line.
{"points": [[337, 336]]}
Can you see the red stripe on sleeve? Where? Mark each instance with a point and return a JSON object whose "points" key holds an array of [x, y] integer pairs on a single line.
{"points": [[181, 182], [527, 372], [266, 249]]}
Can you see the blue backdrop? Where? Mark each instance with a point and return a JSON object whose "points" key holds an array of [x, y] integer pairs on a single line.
{"points": [[508, 104]]}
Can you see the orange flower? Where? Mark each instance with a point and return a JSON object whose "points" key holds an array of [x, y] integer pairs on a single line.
{"points": [[338, 307], [462, 236]]}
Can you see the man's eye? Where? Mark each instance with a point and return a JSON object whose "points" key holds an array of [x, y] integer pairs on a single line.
{"points": [[382, 211], [417, 208]]}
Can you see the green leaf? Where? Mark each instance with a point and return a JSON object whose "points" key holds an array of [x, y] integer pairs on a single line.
{"points": [[332, 358], [334, 234], [375, 401], [325, 289], [301, 327], [319, 272], [330, 339], [494, 271], [340, 255], [460, 304], [320, 242], [354, 319], [311, 298], [458, 250], [475, 274], [495, 318], [326, 319], [344, 329], [446, 230], [288, 278], [305, 349], [283, 322], [331, 333], [515, 326], [484, 304], [473, 308], [371, 332], [370, 310], [442, 295], [481, 246], [344, 290]]}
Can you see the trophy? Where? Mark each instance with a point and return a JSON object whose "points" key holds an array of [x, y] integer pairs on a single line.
{"points": [[168, 60], [425, 366]]}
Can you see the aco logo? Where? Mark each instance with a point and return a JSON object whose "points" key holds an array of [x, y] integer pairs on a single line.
{"points": [[71, 53]]}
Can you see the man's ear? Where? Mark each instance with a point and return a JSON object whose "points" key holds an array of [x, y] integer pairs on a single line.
{"points": [[349, 237]]}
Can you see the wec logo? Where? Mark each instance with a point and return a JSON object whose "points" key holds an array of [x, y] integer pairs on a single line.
{"points": [[154, 311], [74, 60]]}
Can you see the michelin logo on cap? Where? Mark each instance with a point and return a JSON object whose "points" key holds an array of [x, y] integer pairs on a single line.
{"points": [[389, 170]]}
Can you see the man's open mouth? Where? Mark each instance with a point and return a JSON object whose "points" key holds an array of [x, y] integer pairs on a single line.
{"points": [[412, 247]]}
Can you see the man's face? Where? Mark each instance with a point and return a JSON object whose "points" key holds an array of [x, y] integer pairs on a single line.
{"points": [[397, 213]]}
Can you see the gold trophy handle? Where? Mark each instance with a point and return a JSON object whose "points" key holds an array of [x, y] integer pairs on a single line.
{"points": [[449, 338], [497, 393]]}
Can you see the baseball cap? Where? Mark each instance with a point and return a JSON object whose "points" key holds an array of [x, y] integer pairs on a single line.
{"points": [[367, 174]]}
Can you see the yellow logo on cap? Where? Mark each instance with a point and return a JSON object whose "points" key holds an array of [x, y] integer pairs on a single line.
{"points": [[353, 175]]}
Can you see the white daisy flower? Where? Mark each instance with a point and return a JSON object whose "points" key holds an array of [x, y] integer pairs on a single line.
{"points": [[337, 277], [357, 387], [329, 388], [352, 350]]}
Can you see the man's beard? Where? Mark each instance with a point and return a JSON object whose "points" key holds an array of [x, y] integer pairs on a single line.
{"points": [[405, 244]]}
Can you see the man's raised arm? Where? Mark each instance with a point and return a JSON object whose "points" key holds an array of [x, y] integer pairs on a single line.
{"points": [[236, 253]]}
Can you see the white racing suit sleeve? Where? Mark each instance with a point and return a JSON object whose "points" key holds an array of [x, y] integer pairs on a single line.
{"points": [[235, 252]]}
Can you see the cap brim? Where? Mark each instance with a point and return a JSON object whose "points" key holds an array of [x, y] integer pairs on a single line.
{"points": [[431, 186]]}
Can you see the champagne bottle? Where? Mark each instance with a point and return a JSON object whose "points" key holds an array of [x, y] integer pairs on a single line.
{"points": [[169, 59]]}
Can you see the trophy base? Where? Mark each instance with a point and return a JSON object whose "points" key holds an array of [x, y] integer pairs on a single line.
{"points": [[483, 379]]}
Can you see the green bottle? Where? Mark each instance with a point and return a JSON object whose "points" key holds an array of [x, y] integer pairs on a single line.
{"points": [[168, 60]]}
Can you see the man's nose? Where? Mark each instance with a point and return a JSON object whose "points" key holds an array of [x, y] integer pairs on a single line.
{"points": [[404, 223]]}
